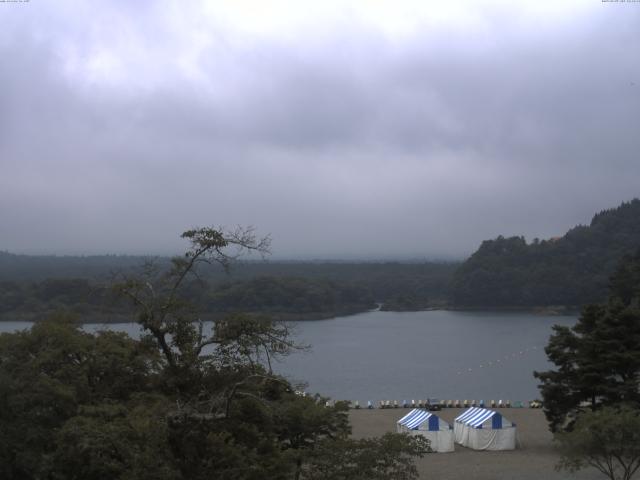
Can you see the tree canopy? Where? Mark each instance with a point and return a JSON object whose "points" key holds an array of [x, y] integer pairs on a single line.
{"points": [[607, 439], [598, 359], [180, 403], [288, 290], [571, 270]]}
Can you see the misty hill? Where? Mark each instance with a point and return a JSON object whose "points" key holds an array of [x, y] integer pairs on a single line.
{"points": [[572, 270], [32, 287], [39, 267]]}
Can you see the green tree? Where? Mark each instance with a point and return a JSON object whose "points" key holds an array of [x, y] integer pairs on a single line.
{"points": [[48, 374], [598, 359], [390, 456], [157, 295], [305, 422], [607, 439], [182, 403], [123, 440]]}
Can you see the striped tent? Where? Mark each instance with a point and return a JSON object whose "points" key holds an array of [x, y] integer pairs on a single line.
{"points": [[484, 429], [430, 426]]}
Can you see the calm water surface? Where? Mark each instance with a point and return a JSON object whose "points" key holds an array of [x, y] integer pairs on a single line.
{"points": [[414, 355]]}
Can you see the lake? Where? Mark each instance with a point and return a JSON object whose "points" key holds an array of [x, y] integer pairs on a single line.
{"points": [[414, 355]]}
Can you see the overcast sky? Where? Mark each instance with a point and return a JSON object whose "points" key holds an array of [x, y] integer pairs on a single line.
{"points": [[344, 129]]}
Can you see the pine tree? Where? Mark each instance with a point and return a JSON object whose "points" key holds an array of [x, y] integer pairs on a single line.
{"points": [[597, 360]]}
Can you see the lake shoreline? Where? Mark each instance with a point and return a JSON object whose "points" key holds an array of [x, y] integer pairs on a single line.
{"points": [[381, 355], [553, 310], [98, 319]]}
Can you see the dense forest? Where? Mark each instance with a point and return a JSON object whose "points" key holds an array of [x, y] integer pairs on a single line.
{"points": [[568, 271], [179, 403], [572, 270], [33, 286]]}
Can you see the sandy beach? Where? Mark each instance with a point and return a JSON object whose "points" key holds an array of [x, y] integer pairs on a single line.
{"points": [[533, 460]]}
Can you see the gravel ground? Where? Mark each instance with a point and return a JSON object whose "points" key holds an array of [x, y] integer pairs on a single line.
{"points": [[533, 460]]}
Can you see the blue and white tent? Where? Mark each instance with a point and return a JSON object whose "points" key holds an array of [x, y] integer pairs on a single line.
{"points": [[430, 426], [484, 429]]}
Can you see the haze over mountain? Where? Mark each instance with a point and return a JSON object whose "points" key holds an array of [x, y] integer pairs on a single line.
{"points": [[344, 129], [561, 274]]}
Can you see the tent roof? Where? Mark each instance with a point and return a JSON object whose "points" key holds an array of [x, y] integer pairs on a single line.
{"points": [[468, 413], [415, 417], [474, 417]]}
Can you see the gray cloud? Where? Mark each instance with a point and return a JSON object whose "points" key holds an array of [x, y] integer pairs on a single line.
{"points": [[121, 127]]}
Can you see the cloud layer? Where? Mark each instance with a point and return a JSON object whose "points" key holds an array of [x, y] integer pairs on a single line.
{"points": [[412, 130]]}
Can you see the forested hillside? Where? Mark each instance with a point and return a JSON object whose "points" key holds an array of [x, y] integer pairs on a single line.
{"points": [[290, 295], [39, 267], [32, 287], [572, 270], [506, 272]]}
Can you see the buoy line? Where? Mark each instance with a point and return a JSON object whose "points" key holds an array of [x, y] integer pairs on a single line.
{"points": [[502, 360]]}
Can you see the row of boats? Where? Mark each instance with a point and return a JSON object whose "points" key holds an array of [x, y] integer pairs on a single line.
{"points": [[434, 405]]}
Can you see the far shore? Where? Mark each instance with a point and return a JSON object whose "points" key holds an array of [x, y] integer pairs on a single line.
{"points": [[569, 310], [534, 459], [100, 318]]}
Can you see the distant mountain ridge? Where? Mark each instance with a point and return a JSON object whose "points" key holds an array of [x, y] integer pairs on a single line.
{"points": [[571, 270], [37, 267]]}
